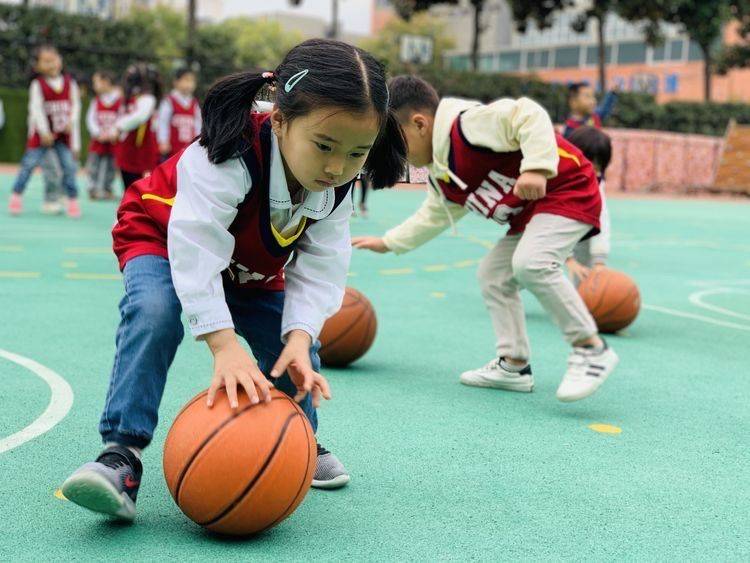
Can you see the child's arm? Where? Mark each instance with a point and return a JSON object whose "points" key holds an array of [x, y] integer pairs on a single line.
{"points": [[163, 125], [508, 125], [600, 244], [37, 118], [607, 105], [145, 105], [75, 118], [91, 124], [198, 119]]}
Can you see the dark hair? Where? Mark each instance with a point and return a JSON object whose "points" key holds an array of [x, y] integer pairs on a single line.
{"points": [[107, 75], [141, 78], [338, 76], [37, 52], [575, 88], [180, 72], [413, 93], [595, 145]]}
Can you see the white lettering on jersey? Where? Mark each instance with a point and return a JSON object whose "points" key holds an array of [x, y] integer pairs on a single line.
{"points": [[485, 200]]}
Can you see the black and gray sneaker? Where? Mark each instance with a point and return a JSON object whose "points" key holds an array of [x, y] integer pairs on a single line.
{"points": [[330, 473], [108, 485]]}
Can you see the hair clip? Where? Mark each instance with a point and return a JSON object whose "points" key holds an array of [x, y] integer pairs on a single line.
{"points": [[292, 82], [269, 75]]}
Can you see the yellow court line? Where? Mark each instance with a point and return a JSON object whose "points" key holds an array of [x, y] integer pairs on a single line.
{"points": [[11, 248], [437, 294], [85, 276], [397, 271], [464, 263], [10, 274], [69, 264], [436, 268], [88, 250], [351, 274], [605, 428], [59, 494]]}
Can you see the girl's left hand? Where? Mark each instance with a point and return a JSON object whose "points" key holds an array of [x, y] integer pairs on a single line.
{"points": [[530, 186], [295, 360]]}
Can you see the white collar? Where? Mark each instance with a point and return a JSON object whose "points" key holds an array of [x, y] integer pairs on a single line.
{"points": [[183, 100], [316, 205]]}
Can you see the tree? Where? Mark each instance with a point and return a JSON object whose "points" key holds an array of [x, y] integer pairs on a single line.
{"points": [[386, 45], [737, 55], [260, 43]]}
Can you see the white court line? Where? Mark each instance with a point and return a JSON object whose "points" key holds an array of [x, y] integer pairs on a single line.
{"points": [[61, 399], [696, 298], [709, 320], [708, 283]]}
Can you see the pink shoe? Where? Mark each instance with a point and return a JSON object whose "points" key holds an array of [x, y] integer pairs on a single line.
{"points": [[74, 210], [15, 205]]}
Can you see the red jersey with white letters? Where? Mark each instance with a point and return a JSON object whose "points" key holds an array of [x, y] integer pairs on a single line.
{"points": [[490, 177], [260, 253], [58, 108], [105, 116], [182, 125], [138, 152]]}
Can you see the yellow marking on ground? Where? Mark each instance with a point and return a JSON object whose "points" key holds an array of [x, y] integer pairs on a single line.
{"points": [[11, 274], [69, 264], [88, 250], [437, 294], [464, 263], [484, 243], [59, 494], [169, 201], [605, 428], [397, 271], [85, 276], [436, 268], [351, 275], [11, 248]]}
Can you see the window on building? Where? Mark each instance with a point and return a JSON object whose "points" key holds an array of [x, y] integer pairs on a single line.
{"points": [[631, 53], [592, 55], [510, 61], [694, 52], [659, 53], [676, 49], [567, 57], [537, 59]]}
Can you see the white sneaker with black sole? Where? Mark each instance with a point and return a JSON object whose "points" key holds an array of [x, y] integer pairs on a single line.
{"points": [[330, 473], [587, 370], [494, 375]]}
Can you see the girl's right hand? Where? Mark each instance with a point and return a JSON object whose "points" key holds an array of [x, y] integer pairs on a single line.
{"points": [[576, 269], [375, 244], [233, 365]]}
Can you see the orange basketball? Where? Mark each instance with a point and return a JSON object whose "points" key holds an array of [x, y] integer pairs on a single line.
{"points": [[612, 297], [239, 471], [348, 335]]}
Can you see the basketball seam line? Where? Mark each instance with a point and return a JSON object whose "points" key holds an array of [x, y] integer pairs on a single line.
{"points": [[254, 480]]}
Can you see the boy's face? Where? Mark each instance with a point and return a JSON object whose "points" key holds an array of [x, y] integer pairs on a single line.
{"points": [[49, 63], [101, 85], [584, 102], [417, 128], [185, 84]]}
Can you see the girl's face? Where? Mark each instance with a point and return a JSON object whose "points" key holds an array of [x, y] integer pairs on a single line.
{"points": [[325, 148]]}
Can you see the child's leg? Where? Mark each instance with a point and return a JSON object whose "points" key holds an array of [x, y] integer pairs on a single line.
{"points": [[537, 265], [503, 300], [52, 176], [93, 164], [69, 168], [582, 255], [31, 159], [108, 164], [147, 339]]}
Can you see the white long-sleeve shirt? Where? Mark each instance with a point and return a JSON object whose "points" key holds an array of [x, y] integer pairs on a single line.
{"points": [[144, 109], [91, 122], [38, 118], [200, 246], [165, 116]]}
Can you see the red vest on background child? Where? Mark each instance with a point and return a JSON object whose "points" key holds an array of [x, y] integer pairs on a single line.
{"points": [[106, 116], [490, 177], [58, 107], [260, 252], [138, 152], [182, 125], [571, 124]]}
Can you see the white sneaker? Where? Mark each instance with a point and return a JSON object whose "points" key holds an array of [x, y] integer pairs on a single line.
{"points": [[587, 370], [493, 375], [52, 208]]}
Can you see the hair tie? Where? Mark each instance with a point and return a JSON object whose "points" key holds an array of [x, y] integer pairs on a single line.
{"points": [[292, 82], [270, 76]]}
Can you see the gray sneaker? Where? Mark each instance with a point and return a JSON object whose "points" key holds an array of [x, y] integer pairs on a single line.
{"points": [[108, 485], [330, 473]]}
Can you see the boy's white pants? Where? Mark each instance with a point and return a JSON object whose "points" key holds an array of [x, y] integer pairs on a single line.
{"points": [[533, 260]]}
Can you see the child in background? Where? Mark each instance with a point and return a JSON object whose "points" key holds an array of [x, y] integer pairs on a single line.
{"points": [[54, 117], [179, 115], [100, 120], [596, 145], [137, 152], [583, 108], [504, 162], [247, 230]]}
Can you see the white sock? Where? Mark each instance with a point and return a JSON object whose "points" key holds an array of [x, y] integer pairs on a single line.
{"points": [[137, 452], [511, 367]]}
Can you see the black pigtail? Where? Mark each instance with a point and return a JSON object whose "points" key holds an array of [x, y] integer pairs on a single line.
{"points": [[226, 114], [386, 163]]}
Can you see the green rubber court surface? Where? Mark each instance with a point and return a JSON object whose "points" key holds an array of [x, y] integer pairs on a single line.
{"points": [[654, 466]]}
